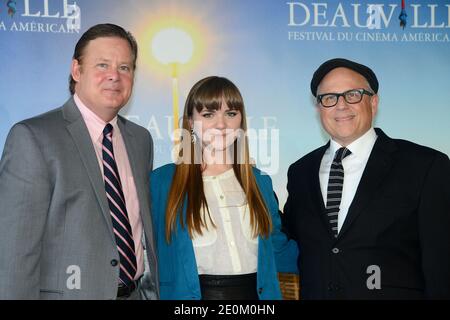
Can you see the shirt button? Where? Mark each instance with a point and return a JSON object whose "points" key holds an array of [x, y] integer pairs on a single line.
{"points": [[221, 197], [114, 262], [335, 250]]}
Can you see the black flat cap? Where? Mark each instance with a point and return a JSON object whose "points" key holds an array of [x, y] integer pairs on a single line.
{"points": [[329, 65]]}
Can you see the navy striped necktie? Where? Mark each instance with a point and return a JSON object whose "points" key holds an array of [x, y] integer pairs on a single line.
{"points": [[119, 216], [334, 190]]}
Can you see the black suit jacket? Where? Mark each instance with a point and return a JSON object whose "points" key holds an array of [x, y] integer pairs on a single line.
{"points": [[398, 221]]}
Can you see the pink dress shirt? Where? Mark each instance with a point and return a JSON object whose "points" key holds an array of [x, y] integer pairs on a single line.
{"points": [[95, 127]]}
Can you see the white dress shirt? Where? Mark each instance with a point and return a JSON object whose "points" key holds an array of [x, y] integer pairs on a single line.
{"points": [[95, 126], [354, 166], [229, 248]]}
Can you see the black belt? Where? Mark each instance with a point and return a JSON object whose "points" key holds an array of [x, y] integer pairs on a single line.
{"points": [[124, 291]]}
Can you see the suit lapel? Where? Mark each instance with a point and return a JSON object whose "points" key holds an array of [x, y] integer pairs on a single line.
{"points": [[377, 167], [80, 135]]}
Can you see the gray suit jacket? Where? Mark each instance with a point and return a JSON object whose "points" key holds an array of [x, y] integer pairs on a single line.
{"points": [[56, 238]]}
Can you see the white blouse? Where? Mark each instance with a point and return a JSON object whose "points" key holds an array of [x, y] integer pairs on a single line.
{"points": [[229, 248]]}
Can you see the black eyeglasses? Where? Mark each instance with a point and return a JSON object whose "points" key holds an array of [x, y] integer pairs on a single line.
{"points": [[352, 96]]}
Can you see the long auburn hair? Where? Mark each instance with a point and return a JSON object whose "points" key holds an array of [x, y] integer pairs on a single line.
{"points": [[187, 184]]}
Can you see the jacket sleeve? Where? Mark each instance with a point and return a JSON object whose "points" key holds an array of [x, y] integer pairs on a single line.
{"points": [[286, 251], [288, 210], [25, 194], [434, 228], [160, 181]]}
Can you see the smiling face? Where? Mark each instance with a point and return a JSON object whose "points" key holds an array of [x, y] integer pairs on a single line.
{"points": [[216, 129], [104, 78], [346, 122]]}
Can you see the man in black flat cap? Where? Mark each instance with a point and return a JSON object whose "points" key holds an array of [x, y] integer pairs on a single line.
{"points": [[370, 214]]}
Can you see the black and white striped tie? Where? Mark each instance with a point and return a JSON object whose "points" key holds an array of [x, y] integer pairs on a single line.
{"points": [[119, 215], [334, 191]]}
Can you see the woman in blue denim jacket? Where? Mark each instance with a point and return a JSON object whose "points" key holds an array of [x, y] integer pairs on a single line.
{"points": [[215, 216]]}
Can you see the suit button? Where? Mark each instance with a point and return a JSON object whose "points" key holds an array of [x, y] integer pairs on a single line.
{"points": [[335, 250], [260, 290], [114, 262]]}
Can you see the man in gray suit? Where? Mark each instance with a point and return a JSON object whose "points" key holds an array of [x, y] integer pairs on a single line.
{"points": [[74, 198]]}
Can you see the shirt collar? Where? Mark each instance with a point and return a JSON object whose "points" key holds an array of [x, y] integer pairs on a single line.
{"points": [[361, 147], [93, 122]]}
